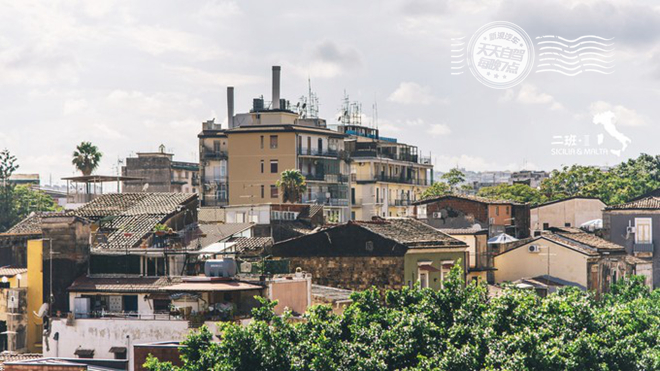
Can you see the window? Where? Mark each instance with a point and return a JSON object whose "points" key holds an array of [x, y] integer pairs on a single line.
{"points": [[262, 142], [273, 166], [130, 303], [546, 226], [273, 142], [162, 305], [567, 224], [274, 192], [643, 233], [216, 146], [263, 188], [507, 210], [320, 145], [262, 166], [497, 210]]}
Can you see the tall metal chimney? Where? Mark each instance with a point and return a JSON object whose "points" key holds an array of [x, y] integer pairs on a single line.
{"points": [[230, 106], [276, 87]]}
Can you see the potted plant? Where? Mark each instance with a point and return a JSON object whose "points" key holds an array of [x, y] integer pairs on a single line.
{"points": [[160, 229]]}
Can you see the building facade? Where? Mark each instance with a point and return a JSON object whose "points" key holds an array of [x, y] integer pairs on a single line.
{"points": [[570, 212], [157, 172], [386, 176], [213, 155]]}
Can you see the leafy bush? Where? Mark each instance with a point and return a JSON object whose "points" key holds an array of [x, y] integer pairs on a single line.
{"points": [[456, 328]]}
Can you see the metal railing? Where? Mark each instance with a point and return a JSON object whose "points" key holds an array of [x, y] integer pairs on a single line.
{"points": [[390, 179], [214, 155], [316, 152], [643, 247]]}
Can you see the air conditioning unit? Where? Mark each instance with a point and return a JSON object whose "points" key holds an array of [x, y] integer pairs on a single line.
{"points": [[534, 248], [437, 215], [630, 229]]}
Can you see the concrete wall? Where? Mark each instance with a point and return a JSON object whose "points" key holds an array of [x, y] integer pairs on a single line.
{"points": [[102, 334], [573, 211], [292, 294], [245, 176], [565, 264], [614, 230], [154, 170], [436, 259]]}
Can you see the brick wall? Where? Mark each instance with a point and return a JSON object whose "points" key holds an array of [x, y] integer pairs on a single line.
{"points": [[457, 213], [165, 353], [353, 273]]}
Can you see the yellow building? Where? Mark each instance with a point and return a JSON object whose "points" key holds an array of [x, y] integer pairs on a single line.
{"points": [[386, 176], [35, 283]]}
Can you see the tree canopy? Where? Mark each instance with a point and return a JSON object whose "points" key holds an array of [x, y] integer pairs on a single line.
{"points": [[456, 328], [293, 185], [86, 158]]}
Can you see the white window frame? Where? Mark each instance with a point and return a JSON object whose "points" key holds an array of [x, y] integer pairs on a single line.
{"points": [[426, 274], [638, 223]]}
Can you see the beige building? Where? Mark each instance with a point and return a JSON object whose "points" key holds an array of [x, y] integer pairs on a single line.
{"points": [[386, 176], [569, 212], [570, 258], [480, 260]]}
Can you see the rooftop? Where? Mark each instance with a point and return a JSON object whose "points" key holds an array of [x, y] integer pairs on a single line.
{"points": [[122, 284], [11, 271], [479, 199], [409, 232], [646, 203]]}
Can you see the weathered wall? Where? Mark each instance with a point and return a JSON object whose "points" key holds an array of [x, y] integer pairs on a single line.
{"points": [[292, 294], [164, 353], [353, 273], [457, 213], [153, 170], [103, 334]]}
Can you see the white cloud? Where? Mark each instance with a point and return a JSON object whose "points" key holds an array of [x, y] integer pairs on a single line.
{"points": [[72, 106], [438, 130], [530, 94], [413, 93], [624, 116]]}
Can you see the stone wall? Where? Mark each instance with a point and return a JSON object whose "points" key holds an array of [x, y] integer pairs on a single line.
{"points": [[353, 273]]}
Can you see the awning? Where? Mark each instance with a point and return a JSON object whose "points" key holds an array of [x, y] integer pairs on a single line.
{"points": [[84, 353], [117, 350], [212, 287], [428, 268]]}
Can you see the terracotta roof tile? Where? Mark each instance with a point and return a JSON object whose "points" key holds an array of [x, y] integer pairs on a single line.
{"points": [[646, 203], [410, 232], [122, 284]]}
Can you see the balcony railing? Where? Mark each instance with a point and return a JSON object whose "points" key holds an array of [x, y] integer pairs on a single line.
{"points": [[392, 179], [326, 201], [329, 178], [643, 247], [316, 152], [403, 202], [214, 155]]}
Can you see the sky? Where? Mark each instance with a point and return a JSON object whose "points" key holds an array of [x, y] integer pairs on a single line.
{"points": [[131, 75]]}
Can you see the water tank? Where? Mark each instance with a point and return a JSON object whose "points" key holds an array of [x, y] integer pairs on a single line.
{"points": [[220, 268]]}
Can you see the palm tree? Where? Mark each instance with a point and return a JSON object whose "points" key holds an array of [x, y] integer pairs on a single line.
{"points": [[293, 185], [86, 158]]}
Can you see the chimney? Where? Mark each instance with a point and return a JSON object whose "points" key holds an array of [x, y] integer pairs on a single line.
{"points": [[230, 106], [276, 87]]}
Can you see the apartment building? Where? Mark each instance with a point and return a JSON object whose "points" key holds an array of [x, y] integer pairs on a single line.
{"points": [[213, 156], [386, 176], [157, 172], [241, 164]]}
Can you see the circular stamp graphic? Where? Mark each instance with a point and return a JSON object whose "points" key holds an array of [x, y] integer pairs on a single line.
{"points": [[500, 55]]}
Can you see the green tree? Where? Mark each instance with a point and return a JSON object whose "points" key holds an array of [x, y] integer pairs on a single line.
{"points": [[8, 215], [86, 158], [292, 184], [454, 177], [514, 192], [28, 200], [436, 190]]}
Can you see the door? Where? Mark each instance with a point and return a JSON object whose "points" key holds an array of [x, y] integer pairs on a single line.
{"points": [[114, 304], [130, 303]]}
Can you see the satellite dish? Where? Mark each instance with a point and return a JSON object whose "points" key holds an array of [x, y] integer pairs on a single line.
{"points": [[145, 187], [42, 310]]}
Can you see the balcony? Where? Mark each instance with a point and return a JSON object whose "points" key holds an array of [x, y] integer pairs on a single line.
{"points": [[326, 201], [643, 248], [327, 178], [315, 152], [402, 202], [214, 155], [391, 179]]}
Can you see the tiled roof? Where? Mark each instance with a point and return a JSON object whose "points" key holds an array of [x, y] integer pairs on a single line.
{"points": [[463, 231], [122, 284], [646, 203], [247, 244], [13, 357], [483, 200], [162, 203], [11, 271], [133, 215], [32, 223], [587, 243], [212, 233], [410, 232], [329, 294]]}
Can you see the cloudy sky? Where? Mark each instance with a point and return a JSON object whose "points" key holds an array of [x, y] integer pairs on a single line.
{"points": [[130, 75]]}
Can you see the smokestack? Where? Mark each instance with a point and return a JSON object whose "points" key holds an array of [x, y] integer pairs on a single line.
{"points": [[276, 87], [230, 106]]}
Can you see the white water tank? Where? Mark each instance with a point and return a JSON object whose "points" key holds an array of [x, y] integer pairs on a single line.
{"points": [[220, 268]]}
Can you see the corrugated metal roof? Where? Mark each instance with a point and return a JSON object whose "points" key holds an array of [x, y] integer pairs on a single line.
{"points": [[212, 286]]}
